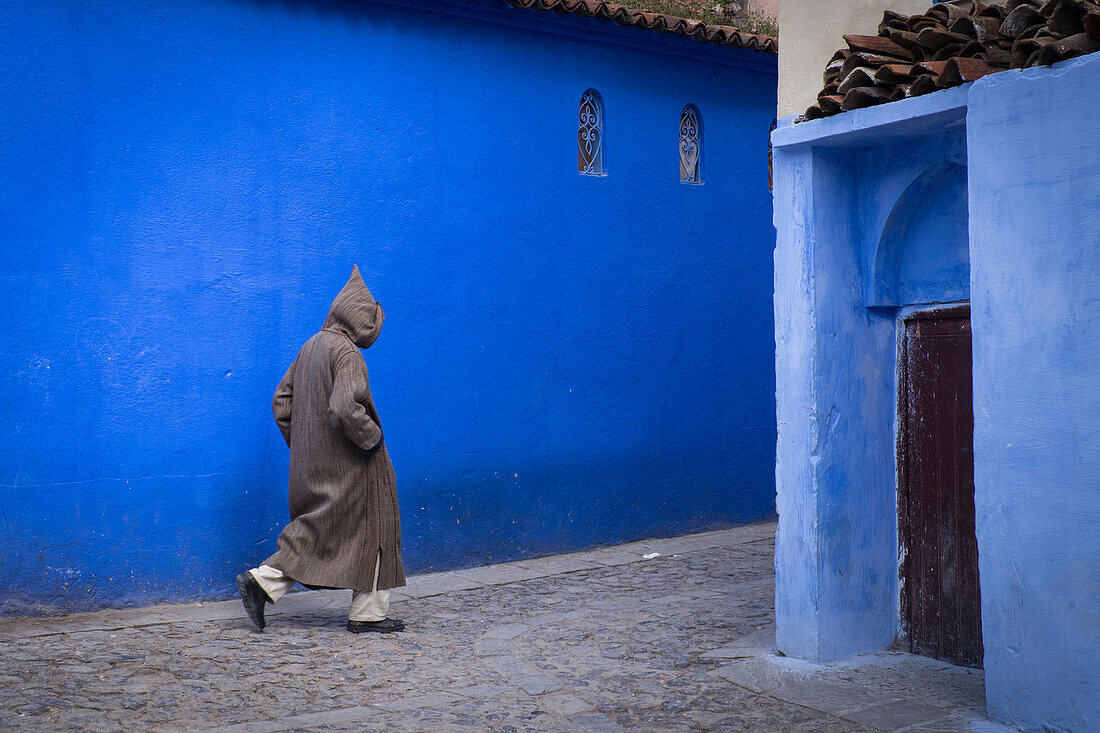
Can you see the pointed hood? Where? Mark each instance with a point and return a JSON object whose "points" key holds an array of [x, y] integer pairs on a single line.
{"points": [[355, 313]]}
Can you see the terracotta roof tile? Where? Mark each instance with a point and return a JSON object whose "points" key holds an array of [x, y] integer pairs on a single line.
{"points": [[722, 35], [953, 43]]}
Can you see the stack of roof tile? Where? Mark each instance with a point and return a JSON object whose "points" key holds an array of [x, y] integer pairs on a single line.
{"points": [[722, 35], [953, 43]]}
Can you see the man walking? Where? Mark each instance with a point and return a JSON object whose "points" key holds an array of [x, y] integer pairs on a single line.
{"points": [[345, 531]]}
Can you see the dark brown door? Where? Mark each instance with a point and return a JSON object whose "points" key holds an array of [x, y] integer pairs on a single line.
{"points": [[939, 573]]}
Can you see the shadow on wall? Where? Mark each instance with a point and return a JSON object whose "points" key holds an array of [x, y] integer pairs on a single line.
{"points": [[923, 252]]}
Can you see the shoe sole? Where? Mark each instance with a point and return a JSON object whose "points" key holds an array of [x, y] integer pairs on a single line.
{"points": [[376, 631], [242, 588]]}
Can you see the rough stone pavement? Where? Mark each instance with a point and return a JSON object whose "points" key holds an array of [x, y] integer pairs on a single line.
{"points": [[601, 641]]}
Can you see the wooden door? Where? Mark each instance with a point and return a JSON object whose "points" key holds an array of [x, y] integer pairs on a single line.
{"points": [[939, 572]]}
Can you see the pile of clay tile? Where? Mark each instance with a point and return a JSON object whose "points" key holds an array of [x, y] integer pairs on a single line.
{"points": [[953, 43], [723, 35]]}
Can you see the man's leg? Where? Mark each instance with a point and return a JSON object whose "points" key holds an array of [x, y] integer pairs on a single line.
{"points": [[273, 581], [372, 606], [260, 585], [369, 608]]}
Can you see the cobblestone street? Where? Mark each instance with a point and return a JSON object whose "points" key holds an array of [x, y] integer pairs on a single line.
{"points": [[606, 640]]}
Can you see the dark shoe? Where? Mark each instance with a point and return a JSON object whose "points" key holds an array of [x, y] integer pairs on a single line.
{"points": [[253, 597], [385, 626]]}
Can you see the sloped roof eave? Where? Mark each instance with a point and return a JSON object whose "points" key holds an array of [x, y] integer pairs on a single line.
{"points": [[721, 35]]}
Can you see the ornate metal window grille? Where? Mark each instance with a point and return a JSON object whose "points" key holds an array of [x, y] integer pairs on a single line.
{"points": [[590, 135], [691, 146]]}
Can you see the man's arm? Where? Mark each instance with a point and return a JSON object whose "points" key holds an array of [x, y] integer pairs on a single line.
{"points": [[350, 391], [280, 405]]}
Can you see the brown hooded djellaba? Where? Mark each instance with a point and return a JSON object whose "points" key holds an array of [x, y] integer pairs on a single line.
{"points": [[343, 495]]}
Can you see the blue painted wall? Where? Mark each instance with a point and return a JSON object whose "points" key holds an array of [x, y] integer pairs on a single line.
{"points": [[1035, 243], [988, 193], [567, 361], [852, 248]]}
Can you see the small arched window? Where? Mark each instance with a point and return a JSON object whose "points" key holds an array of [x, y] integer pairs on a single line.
{"points": [[691, 145], [590, 135]]}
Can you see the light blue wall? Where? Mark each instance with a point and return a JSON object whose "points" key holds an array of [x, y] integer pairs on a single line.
{"points": [[872, 202], [1035, 243], [567, 361], [849, 235], [797, 542]]}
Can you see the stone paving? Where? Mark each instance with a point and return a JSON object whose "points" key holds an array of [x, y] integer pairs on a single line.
{"points": [[613, 639]]}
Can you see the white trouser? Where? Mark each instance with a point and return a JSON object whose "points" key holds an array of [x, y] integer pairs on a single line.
{"points": [[370, 605]]}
